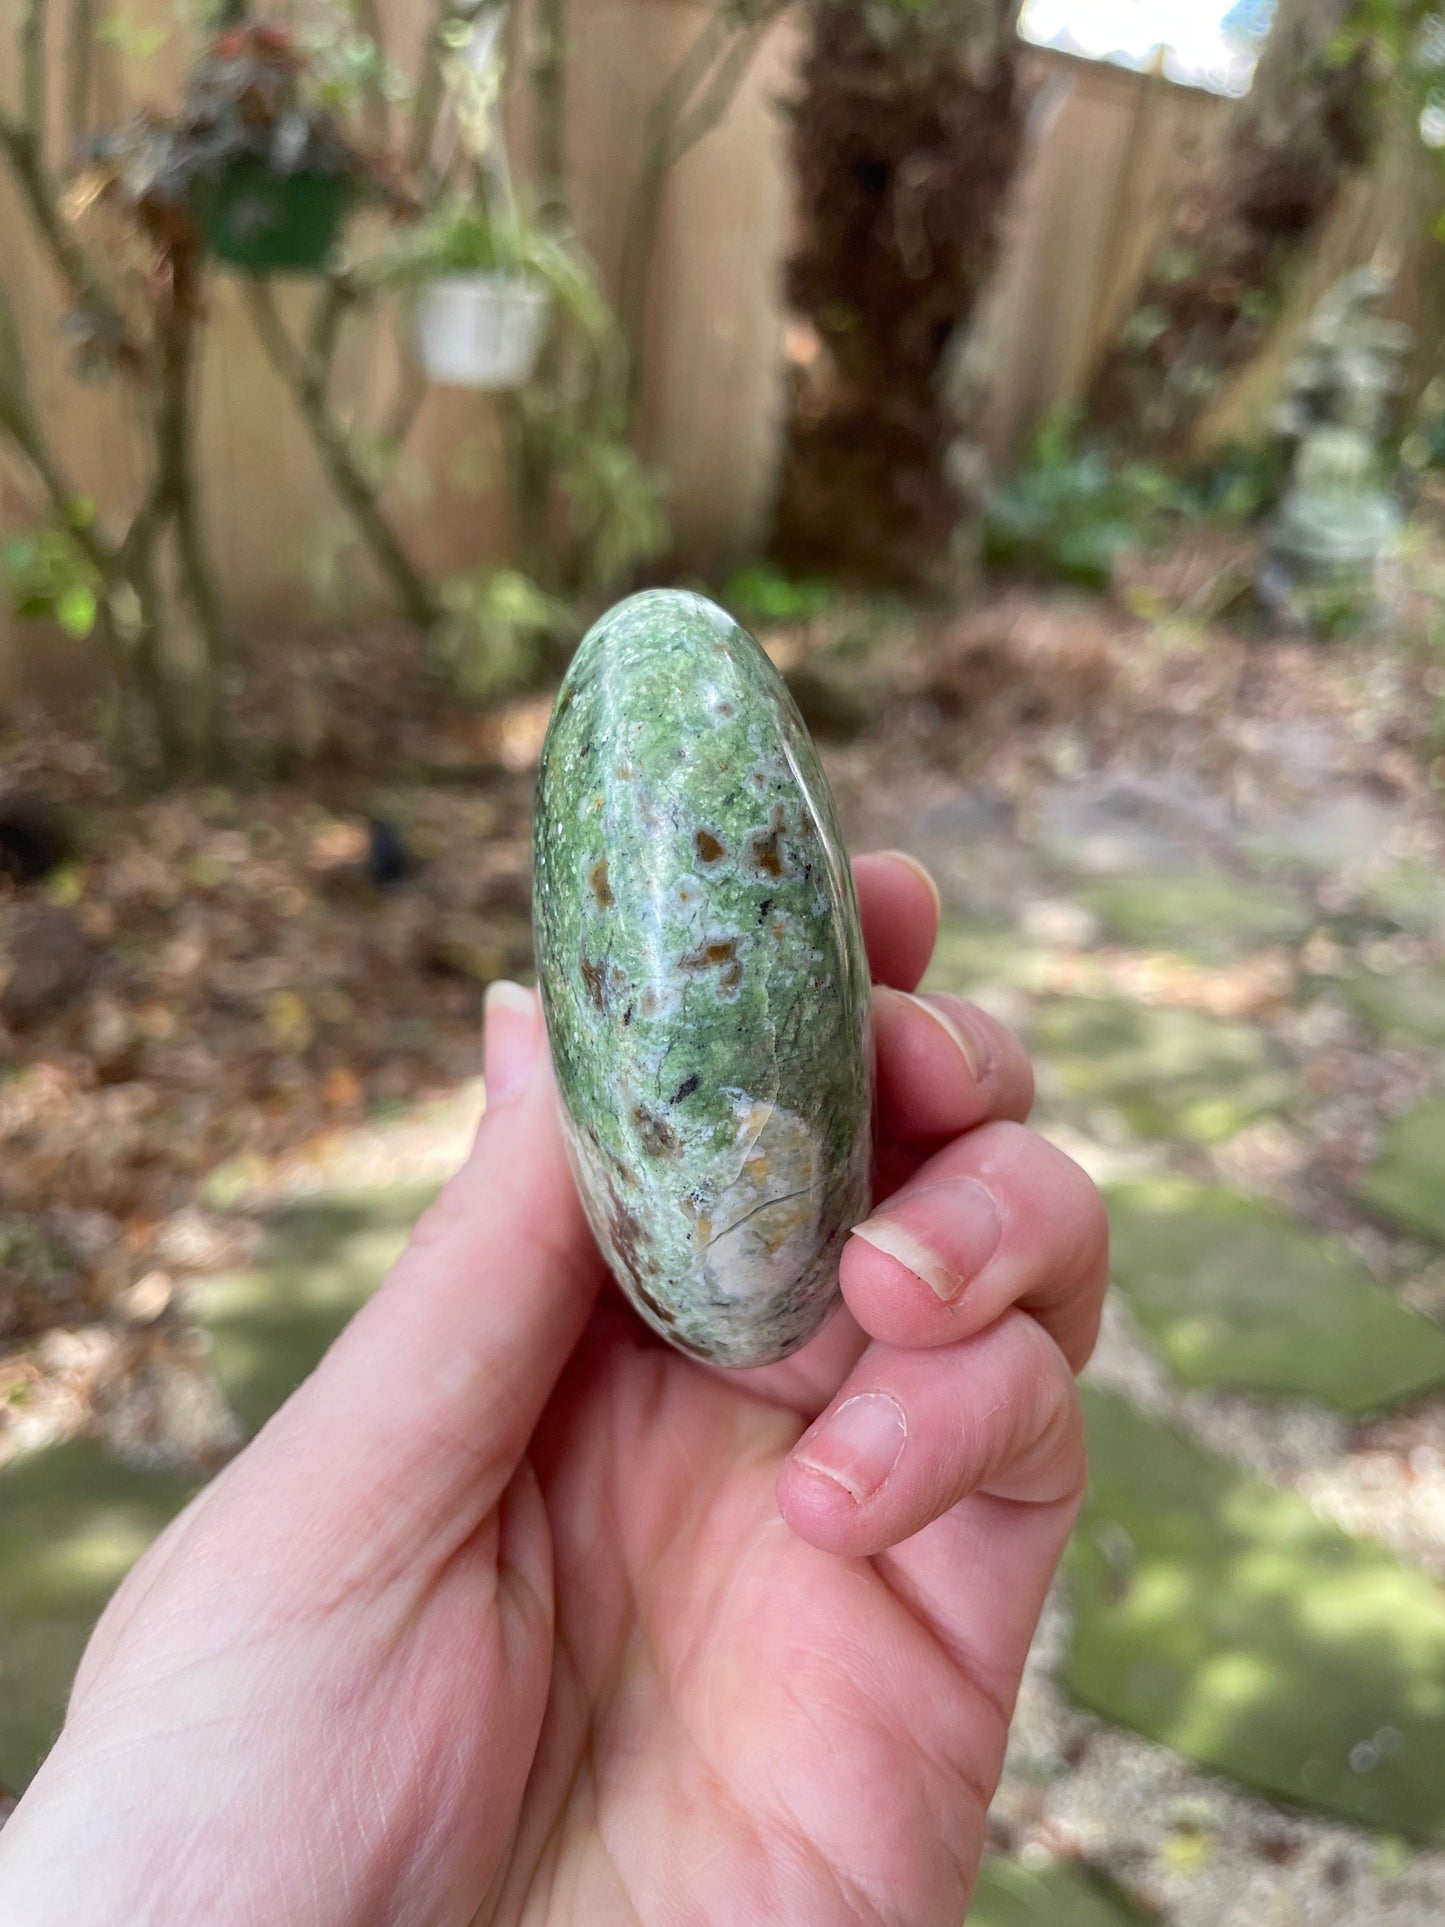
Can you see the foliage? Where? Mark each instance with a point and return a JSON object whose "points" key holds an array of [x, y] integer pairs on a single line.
{"points": [[1308, 126], [252, 95], [466, 237], [588, 486], [1236, 484], [49, 579], [259, 96], [761, 596], [614, 509], [493, 633], [589, 509], [1404, 42], [1068, 510]]}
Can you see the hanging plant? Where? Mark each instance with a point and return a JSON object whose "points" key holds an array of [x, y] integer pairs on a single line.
{"points": [[251, 156], [482, 297]]}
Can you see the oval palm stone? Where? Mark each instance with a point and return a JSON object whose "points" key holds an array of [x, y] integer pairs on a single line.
{"points": [[704, 981]]}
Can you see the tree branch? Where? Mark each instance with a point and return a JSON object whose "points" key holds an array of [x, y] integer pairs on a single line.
{"points": [[128, 612], [306, 378], [178, 322], [79, 49], [693, 100], [30, 43], [549, 91], [71, 260]]}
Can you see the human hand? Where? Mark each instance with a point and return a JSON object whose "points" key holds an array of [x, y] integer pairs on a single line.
{"points": [[511, 1614]]}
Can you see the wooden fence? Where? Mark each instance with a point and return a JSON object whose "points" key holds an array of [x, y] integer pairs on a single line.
{"points": [[1109, 153]]}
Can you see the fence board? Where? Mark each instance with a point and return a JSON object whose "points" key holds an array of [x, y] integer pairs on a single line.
{"points": [[1109, 153]]}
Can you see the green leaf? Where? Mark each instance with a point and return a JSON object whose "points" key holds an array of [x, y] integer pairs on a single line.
{"points": [[75, 610]]}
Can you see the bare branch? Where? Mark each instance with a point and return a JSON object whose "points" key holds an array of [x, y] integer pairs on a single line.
{"points": [[30, 38], [693, 100], [71, 260], [80, 44], [306, 378]]}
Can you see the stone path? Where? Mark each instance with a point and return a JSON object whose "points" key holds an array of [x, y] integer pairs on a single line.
{"points": [[1236, 1708]]}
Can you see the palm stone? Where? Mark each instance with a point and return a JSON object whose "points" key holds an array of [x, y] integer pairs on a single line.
{"points": [[704, 980]]}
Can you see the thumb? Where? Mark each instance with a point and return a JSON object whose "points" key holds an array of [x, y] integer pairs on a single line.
{"points": [[428, 1399]]}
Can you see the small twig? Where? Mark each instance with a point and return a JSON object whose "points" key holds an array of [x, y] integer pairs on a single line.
{"points": [[340, 295], [728, 76]]}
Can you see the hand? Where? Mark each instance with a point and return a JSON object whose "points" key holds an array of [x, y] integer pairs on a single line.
{"points": [[513, 1615]]}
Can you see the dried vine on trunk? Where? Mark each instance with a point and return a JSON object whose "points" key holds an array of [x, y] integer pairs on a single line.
{"points": [[907, 130], [1280, 163]]}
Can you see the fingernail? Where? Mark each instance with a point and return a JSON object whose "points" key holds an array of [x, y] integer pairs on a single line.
{"points": [[902, 856], [510, 1032], [965, 1229], [974, 1051], [859, 1445]]}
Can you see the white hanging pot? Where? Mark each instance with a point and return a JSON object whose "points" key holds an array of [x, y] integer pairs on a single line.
{"points": [[481, 330]]}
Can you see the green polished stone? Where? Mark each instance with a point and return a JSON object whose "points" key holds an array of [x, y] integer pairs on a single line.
{"points": [[703, 975]]}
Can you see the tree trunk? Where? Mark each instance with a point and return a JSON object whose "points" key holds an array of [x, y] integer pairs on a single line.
{"points": [[1284, 155], [907, 132]]}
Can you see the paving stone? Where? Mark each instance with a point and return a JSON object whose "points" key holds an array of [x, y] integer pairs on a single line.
{"points": [[1406, 1183], [1055, 1894], [1210, 915], [1222, 1618], [270, 1323], [968, 955], [1170, 1072], [1411, 896], [1233, 1292], [1406, 1004]]}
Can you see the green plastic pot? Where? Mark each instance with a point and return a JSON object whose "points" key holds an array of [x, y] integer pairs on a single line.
{"points": [[268, 223]]}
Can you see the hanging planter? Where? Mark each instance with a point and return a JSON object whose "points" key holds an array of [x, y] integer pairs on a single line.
{"points": [[251, 157], [266, 222], [482, 296], [481, 330]]}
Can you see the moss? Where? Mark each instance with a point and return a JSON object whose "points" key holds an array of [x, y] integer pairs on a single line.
{"points": [[270, 1323], [1210, 915], [1406, 1183], [1409, 1004], [1235, 1293], [72, 1524], [1221, 1618], [1166, 1072]]}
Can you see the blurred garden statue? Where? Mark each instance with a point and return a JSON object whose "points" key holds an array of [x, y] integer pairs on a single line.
{"points": [[1338, 516]]}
